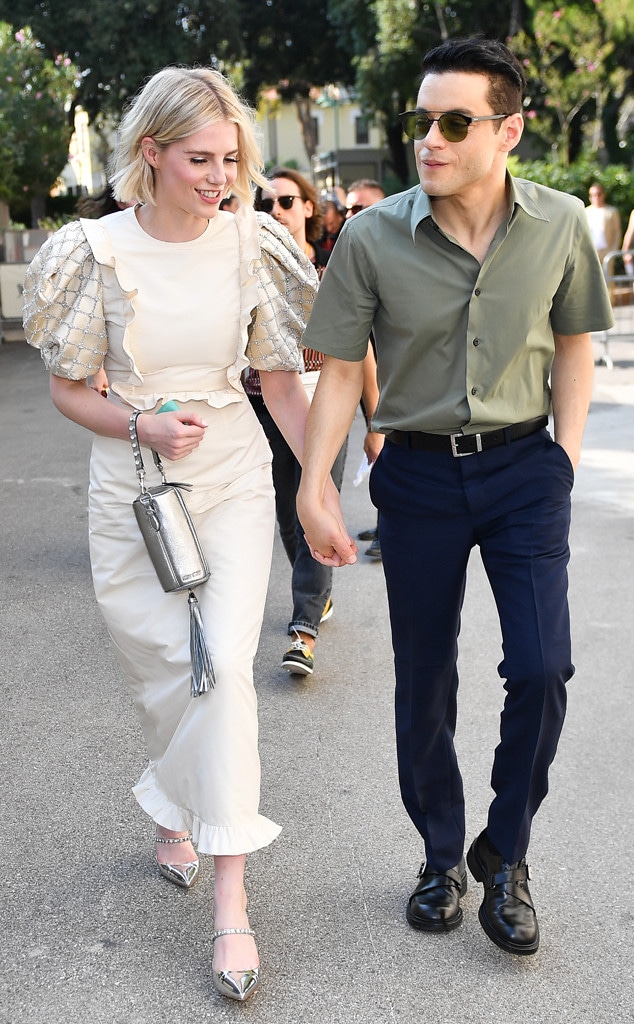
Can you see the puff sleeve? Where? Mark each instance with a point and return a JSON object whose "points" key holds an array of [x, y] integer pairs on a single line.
{"points": [[287, 285], [63, 305]]}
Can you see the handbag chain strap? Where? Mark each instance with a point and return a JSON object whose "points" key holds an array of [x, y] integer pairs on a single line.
{"points": [[138, 458], [136, 448]]}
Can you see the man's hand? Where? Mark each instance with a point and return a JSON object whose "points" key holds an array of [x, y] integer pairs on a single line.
{"points": [[325, 531], [318, 506], [373, 445]]}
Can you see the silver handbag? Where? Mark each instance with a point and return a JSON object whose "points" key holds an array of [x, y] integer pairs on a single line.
{"points": [[175, 551]]}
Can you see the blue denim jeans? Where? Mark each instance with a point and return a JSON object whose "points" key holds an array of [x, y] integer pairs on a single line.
{"points": [[311, 582]]}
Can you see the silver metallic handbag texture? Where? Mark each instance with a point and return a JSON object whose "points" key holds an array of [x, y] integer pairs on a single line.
{"points": [[170, 538]]}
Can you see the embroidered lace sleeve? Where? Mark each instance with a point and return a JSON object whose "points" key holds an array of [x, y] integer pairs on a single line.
{"points": [[63, 306], [287, 285]]}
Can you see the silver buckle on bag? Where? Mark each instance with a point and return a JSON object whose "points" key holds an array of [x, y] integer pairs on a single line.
{"points": [[454, 438]]}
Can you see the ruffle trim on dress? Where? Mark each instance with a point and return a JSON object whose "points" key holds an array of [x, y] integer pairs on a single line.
{"points": [[101, 245], [217, 840], [249, 251]]}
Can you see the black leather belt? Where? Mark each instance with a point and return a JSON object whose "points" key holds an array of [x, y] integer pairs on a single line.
{"points": [[466, 444]]}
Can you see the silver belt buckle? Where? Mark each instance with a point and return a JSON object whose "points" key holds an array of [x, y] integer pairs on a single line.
{"points": [[454, 445]]}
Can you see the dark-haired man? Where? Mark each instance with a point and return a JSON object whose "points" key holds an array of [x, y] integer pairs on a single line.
{"points": [[362, 193], [481, 291]]}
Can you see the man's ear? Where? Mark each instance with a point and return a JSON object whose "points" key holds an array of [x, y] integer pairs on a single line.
{"points": [[150, 151], [511, 132]]}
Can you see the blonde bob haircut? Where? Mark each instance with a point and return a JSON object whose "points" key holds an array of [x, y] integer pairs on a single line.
{"points": [[173, 104]]}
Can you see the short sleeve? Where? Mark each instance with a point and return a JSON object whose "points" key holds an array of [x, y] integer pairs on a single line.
{"points": [[63, 305], [287, 285]]}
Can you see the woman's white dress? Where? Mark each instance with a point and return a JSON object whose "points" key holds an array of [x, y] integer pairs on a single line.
{"points": [[173, 321]]}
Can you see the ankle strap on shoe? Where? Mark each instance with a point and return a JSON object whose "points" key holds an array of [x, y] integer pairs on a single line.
{"points": [[231, 931], [511, 873], [512, 880], [180, 839]]}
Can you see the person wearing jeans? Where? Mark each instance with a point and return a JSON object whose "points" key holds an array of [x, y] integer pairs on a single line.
{"points": [[311, 583], [293, 202]]}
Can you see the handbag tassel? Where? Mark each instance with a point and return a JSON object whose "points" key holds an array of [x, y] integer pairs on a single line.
{"points": [[202, 670]]}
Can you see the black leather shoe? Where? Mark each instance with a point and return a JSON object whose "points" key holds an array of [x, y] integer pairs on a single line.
{"points": [[507, 913], [434, 906], [368, 534]]}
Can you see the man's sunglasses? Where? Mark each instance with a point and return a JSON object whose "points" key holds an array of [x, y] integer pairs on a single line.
{"points": [[355, 209], [266, 205], [417, 125]]}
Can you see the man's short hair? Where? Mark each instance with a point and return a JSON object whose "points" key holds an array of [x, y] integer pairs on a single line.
{"points": [[366, 183], [486, 57]]}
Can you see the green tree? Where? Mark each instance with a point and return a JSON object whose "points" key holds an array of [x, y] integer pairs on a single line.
{"points": [[568, 57], [118, 45], [35, 99], [292, 45], [388, 63]]}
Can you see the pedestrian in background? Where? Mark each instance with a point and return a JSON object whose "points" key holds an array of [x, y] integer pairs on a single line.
{"points": [[628, 243], [294, 203], [362, 193], [365, 192], [481, 291], [230, 203], [101, 204], [334, 215], [174, 298], [604, 221]]}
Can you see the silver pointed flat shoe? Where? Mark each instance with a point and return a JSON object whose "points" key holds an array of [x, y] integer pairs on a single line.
{"points": [[239, 985], [183, 875]]}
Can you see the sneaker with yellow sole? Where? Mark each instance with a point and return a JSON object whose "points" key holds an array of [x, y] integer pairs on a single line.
{"points": [[299, 659]]}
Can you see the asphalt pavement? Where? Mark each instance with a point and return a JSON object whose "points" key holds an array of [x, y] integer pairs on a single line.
{"points": [[92, 933]]}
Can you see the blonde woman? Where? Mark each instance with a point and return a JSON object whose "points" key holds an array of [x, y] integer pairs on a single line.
{"points": [[173, 299]]}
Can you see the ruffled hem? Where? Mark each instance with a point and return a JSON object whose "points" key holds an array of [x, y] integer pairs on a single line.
{"points": [[216, 399], [217, 840], [248, 239]]}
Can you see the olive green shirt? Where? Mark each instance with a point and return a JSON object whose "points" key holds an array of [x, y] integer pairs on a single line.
{"points": [[460, 344]]}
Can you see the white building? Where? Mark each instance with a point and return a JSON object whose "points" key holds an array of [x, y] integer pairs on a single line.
{"points": [[348, 147]]}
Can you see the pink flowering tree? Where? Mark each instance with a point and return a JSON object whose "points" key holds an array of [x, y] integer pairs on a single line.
{"points": [[568, 61], [36, 95]]}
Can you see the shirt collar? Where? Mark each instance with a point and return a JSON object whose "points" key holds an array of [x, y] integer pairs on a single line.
{"points": [[523, 194], [421, 209]]}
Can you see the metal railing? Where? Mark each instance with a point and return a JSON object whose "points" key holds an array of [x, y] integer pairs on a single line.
{"points": [[621, 288]]}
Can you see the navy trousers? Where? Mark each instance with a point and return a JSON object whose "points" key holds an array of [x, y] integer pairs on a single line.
{"points": [[514, 503]]}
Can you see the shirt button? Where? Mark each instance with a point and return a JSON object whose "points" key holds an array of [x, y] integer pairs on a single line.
{"points": [[476, 342], [477, 291], [474, 391]]}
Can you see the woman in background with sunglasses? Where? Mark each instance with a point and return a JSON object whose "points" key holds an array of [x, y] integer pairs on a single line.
{"points": [[293, 202]]}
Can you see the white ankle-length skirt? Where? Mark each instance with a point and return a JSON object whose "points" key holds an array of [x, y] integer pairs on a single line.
{"points": [[204, 770]]}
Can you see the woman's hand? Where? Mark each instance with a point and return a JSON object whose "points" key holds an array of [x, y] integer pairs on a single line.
{"points": [[174, 435], [99, 382]]}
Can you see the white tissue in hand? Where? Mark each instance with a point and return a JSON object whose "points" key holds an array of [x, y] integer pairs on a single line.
{"points": [[363, 471]]}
